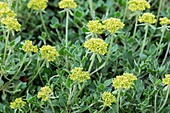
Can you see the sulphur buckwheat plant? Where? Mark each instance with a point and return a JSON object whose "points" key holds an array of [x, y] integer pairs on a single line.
{"points": [[5, 11], [28, 47], [113, 25], [96, 45], [95, 26], [108, 98], [17, 104], [44, 93], [67, 4], [38, 4], [147, 18], [48, 52], [166, 80], [77, 74], [11, 23], [139, 5]]}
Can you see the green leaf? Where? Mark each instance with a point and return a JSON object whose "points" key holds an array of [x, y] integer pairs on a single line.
{"points": [[108, 82]]}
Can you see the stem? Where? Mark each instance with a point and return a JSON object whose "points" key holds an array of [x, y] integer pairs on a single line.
{"points": [[144, 41], [162, 35], [43, 23], [16, 7], [124, 16], [6, 42], [155, 102], [102, 109], [159, 9], [166, 54], [118, 100], [53, 111], [71, 94], [166, 98], [37, 72], [66, 36], [29, 16], [92, 62], [136, 24], [23, 60], [92, 12]]}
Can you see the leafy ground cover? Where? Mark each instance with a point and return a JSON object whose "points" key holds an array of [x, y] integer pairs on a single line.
{"points": [[93, 56]]}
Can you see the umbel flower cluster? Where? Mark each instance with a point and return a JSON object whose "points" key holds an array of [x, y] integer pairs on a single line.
{"points": [[67, 4], [95, 26], [166, 80], [28, 47], [138, 5], [124, 81], [108, 98], [77, 74], [38, 4], [147, 18], [49, 53], [96, 45], [164, 21], [113, 25], [17, 104], [44, 93], [8, 17]]}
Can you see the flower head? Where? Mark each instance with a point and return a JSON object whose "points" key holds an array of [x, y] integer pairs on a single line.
{"points": [[108, 98], [164, 21], [44, 93], [96, 45], [67, 4], [38, 4], [113, 25], [147, 18], [5, 11], [28, 47], [125, 81], [77, 74], [11, 23], [49, 53], [166, 80], [140, 5], [95, 26], [17, 104]]}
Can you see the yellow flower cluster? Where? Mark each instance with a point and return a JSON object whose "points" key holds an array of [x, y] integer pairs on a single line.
{"points": [[37, 4], [17, 104], [125, 81], [113, 25], [8, 17], [5, 11], [77, 74], [49, 53], [11, 23], [140, 5], [147, 18], [44, 93], [28, 47], [96, 45], [67, 4], [108, 98], [95, 26], [166, 80], [164, 21]]}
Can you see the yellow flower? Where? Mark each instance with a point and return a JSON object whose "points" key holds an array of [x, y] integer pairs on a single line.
{"points": [[95, 26], [28, 47], [125, 81], [37, 4], [96, 45], [11, 23], [166, 80], [147, 18], [67, 4], [49, 53], [164, 21], [44, 93], [113, 25], [77, 74], [17, 104], [108, 98], [140, 5]]}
